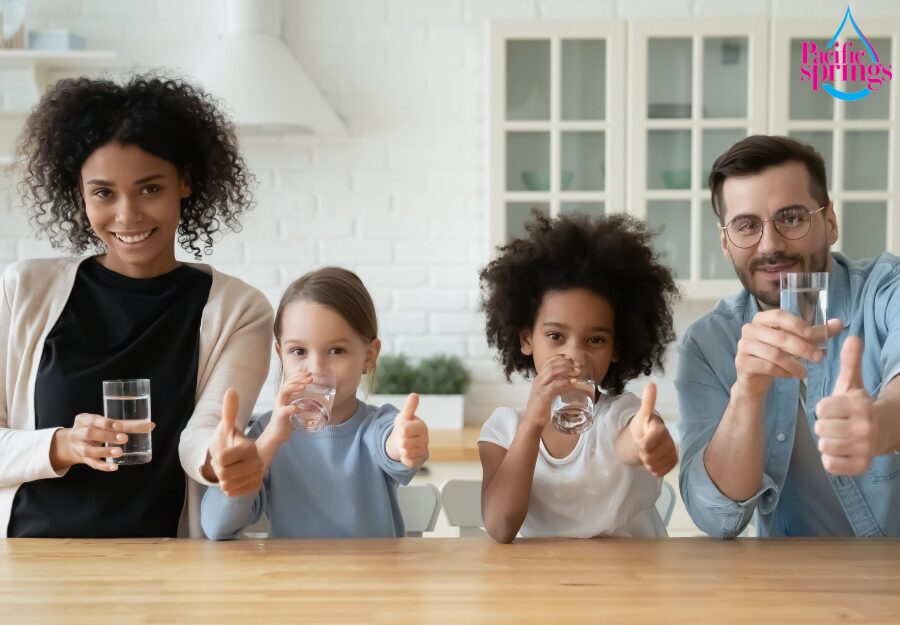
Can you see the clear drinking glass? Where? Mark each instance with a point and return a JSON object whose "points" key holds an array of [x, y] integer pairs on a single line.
{"points": [[316, 401], [806, 296], [128, 401], [572, 412]]}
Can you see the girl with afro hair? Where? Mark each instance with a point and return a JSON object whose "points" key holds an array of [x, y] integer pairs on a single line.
{"points": [[126, 172], [592, 285]]}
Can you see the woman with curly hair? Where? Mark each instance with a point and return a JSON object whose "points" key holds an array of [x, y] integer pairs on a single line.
{"points": [[594, 286], [126, 170]]}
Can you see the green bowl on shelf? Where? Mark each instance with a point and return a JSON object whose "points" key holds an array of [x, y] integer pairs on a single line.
{"points": [[677, 178], [681, 178], [538, 180]]}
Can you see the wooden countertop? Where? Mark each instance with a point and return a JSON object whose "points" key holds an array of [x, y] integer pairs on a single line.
{"points": [[454, 445], [434, 581]]}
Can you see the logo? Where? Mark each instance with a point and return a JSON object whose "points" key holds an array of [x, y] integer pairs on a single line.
{"points": [[858, 68]]}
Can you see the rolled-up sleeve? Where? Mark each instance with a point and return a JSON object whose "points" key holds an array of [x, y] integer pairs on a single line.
{"points": [[888, 301], [702, 400]]}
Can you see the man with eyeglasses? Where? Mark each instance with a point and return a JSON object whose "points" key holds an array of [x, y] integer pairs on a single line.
{"points": [[805, 438]]}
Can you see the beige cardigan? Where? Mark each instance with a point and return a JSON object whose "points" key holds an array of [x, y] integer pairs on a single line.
{"points": [[235, 348]]}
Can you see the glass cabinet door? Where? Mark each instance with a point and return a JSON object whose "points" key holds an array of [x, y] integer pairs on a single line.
{"points": [[557, 121], [856, 138], [694, 96], [558, 127], [528, 161], [583, 87], [672, 218], [528, 80]]}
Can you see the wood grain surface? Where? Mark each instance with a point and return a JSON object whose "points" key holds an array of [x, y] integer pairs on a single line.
{"points": [[449, 581]]}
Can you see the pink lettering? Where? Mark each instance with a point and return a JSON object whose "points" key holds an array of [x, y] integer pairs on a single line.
{"points": [[808, 48]]}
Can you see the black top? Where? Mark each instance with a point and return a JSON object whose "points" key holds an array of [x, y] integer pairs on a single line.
{"points": [[116, 327]]}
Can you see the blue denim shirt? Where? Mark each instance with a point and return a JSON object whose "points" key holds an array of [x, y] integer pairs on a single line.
{"points": [[865, 295]]}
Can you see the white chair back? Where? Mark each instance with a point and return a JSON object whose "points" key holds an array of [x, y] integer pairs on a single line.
{"points": [[420, 506], [666, 503], [462, 505]]}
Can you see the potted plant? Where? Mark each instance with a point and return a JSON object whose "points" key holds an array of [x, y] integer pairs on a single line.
{"points": [[441, 381]]}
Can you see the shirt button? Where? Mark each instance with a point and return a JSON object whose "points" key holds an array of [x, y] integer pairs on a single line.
{"points": [[780, 437]]}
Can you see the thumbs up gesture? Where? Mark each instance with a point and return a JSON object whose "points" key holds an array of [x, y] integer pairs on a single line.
{"points": [[846, 424], [232, 460], [655, 447], [408, 442]]}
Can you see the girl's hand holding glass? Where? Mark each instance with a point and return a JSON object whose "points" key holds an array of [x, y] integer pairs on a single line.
{"points": [[408, 442], [572, 411], [312, 408], [557, 376], [280, 426]]}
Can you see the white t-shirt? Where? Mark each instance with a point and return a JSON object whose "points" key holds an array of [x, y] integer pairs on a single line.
{"points": [[590, 492]]}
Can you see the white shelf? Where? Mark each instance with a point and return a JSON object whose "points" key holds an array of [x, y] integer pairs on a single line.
{"points": [[57, 58], [43, 66]]}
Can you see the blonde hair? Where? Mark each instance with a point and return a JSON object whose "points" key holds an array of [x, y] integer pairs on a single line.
{"points": [[340, 290]]}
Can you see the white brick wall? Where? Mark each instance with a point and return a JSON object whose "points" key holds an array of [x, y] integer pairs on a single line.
{"points": [[402, 199]]}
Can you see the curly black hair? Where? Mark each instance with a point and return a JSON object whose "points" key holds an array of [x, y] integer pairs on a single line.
{"points": [[167, 117], [610, 256]]}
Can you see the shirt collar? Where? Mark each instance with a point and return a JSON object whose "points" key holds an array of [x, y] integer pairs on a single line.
{"points": [[839, 290]]}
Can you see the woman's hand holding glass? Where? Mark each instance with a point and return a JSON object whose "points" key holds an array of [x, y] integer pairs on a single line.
{"points": [[85, 443]]}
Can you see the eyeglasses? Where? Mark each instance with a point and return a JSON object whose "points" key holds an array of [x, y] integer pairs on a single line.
{"points": [[792, 223]]}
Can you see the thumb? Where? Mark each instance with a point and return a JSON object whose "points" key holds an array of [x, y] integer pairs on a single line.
{"points": [[833, 327], [851, 366], [409, 409], [645, 413], [230, 404]]}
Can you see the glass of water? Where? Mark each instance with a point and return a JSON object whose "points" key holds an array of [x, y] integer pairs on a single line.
{"points": [[572, 412], [806, 296], [315, 402], [128, 401]]}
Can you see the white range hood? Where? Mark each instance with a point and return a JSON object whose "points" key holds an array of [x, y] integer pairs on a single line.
{"points": [[263, 86]]}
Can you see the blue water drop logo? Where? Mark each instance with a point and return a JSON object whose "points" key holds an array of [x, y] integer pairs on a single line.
{"points": [[850, 96]]}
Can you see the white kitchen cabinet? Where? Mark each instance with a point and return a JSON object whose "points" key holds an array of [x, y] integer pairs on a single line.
{"points": [[686, 90], [556, 121], [858, 140], [697, 87]]}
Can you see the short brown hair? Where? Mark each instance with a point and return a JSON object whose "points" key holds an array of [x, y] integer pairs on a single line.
{"points": [[758, 152], [340, 290]]}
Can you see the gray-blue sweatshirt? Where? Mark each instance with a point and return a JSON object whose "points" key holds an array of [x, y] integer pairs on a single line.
{"points": [[338, 482]]}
